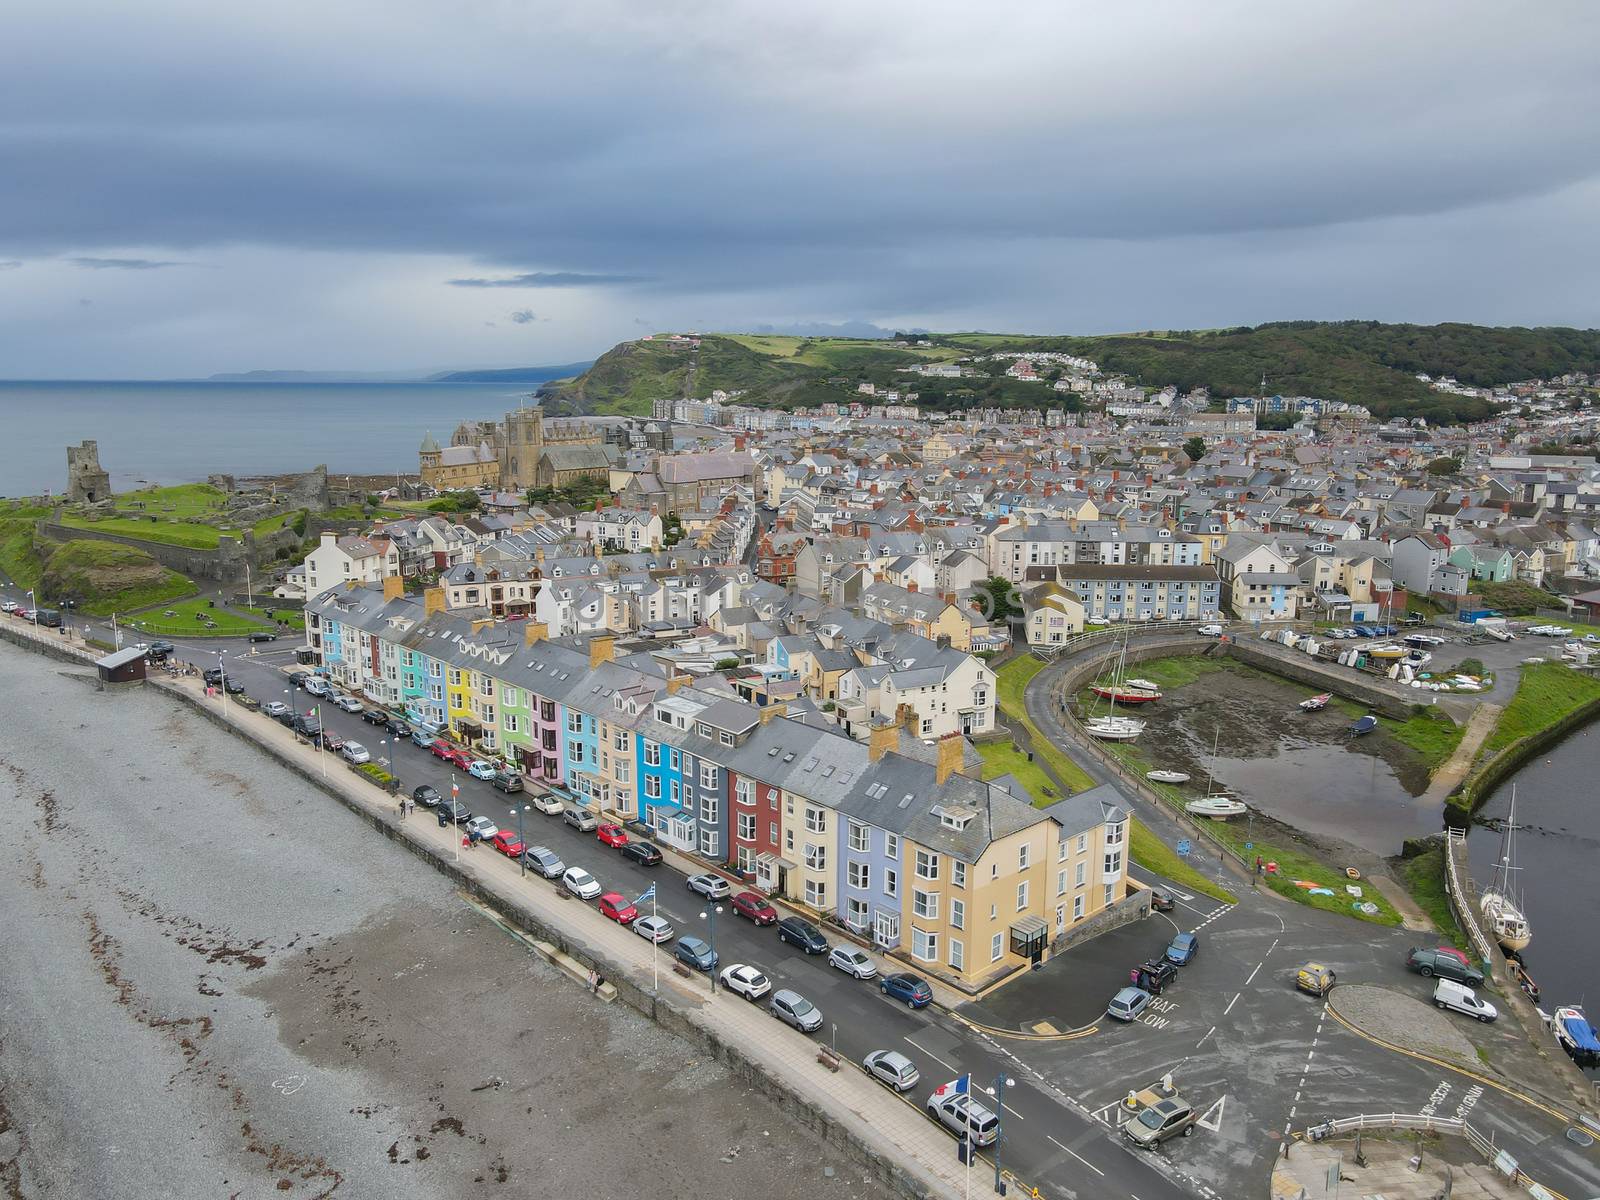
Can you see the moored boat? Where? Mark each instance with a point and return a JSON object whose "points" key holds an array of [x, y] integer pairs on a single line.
{"points": [[1386, 651], [1501, 912], [1167, 776], [1576, 1035], [1142, 685], [1215, 806], [1316, 703], [1365, 725], [1123, 694], [1114, 729]]}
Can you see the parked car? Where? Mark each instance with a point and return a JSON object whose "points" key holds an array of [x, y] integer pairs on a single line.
{"points": [[580, 883], [507, 781], [332, 740], [508, 843], [646, 854], [961, 1114], [654, 929], [1161, 900], [1445, 963], [318, 687], [262, 635], [356, 753], [233, 686], [753, 907], [480, 768], [1127, 1004], [1168, 1118], [277, 710], [611, 835], [421, 739], [374, 716], [904, 986], [1154, 976], [448, 753], [212, 675], [298, 678], [1460, 998], [617, 907], [9, 606], [695, 952], [1209, 630], [892, 1068], [158, 650], [307, 726], [1183, 948], [580, 819], [747, 981], [545, 861], [483, 827], [427, 796], [794, 1009], [852, 961], [400, 729], [1314, 978], [709, 885], [549, 805], [800, 932], [349, 703]]}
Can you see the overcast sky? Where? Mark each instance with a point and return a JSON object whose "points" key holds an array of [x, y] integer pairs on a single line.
{"points": [[194, 187]]}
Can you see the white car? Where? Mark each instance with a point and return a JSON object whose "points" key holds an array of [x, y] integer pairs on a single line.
{"points": [[580, 883], [549, 805], [746, 981], [654, 929], [1209, 631], [9, 606], [483, 827], [356, 753], [852, 962], [349, 703], [318, 688]]}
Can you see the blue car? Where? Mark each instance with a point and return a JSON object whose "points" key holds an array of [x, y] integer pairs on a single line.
{"points": [[1183, 949], [907, 988], [419, 738], [696, 953]]}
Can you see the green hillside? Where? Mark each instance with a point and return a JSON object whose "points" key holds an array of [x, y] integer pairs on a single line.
{"points": [[1361, 362]]}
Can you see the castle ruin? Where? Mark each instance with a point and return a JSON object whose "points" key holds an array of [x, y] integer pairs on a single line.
{"points": [[87, 480]]}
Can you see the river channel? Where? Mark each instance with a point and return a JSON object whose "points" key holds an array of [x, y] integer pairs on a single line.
{"points": [[1303, 769], [1558, 849]]}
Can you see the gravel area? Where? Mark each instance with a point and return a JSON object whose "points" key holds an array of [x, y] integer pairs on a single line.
{"points": [[1404, 1021], [219, 983]]}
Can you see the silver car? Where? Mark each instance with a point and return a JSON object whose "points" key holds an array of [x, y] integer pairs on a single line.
{"points": [[580, 819], [892, 1068], [654, 929], [545, 861], [959, 1113], [852, 962], [356, 753], [483, 827], [794, 1009]]}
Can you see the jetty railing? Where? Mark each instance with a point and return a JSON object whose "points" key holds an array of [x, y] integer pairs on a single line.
{"points": [[1457, 885]]}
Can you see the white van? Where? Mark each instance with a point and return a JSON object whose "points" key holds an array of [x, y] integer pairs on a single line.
{"points": [[1461, 998]]}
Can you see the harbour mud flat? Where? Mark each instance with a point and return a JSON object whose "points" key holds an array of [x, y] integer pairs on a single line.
{"points": [[220, 984]]}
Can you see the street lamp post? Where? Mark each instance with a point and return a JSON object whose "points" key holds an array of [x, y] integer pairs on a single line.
{"points": [[33, 607], [222, 679], [1001, 1083], [522, 859], [709, 916]]}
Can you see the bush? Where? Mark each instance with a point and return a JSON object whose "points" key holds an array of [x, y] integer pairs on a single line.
{"points": [[375, 773], [1470, 666], [726, 664]]}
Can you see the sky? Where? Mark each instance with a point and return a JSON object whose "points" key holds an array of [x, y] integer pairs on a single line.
{"points": [[193, 188]]}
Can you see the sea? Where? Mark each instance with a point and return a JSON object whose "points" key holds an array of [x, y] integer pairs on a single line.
{"points": [[180, 432]]}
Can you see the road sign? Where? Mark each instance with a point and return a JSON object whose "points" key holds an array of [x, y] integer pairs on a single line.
{"points": [[1184, 847], [1249, 845]]}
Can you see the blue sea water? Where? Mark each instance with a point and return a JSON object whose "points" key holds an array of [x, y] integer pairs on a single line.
{"points": [[178, 432]]}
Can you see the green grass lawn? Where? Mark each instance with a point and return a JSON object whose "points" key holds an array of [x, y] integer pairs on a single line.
{"points": [[17, 557], [172, 587], [1005, 758], [1432, 734], [1424, 879], [1151, 853], [1546, 692], [296, 617], [186, 622], [173, 533], [1011, 681], [183, 500]]}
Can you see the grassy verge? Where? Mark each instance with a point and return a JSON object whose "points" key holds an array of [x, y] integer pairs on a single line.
{"points": [[1423, 877], [1011, 681], [1432, 734], [17, 557], [172, 587], [294, 616], [188, 622], [172, 533], [1151, 853], [1546, 692], [1007, 758]]}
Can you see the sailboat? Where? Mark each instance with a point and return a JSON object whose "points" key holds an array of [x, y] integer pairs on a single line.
{"points": [[1111, 727], [1214, 803], [1500, 910], [1126, 691]]}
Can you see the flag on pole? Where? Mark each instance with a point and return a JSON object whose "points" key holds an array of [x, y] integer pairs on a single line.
{"points": [[649, 894], [455, 791], [956, 1087]]}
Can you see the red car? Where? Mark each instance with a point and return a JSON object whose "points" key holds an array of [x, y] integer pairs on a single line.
{"points": [[442, 750], [508, 844], [613, 905], [752, 906], [612, 835]]}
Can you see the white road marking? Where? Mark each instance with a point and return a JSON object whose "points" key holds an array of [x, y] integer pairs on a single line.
{"points": [[1080, 1158], [1231, 1003], [1247, 982], [933, 1056], [1202, 1041]]}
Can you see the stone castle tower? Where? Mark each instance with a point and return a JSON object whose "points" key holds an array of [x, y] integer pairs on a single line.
{"points": [[87, 480], [520, 448]]}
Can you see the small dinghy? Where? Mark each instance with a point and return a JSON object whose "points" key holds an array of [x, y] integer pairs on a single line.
{"points": [[1316, 703], [1167, 776]]}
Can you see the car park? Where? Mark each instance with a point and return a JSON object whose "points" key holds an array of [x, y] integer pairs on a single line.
{"points": [[580, 819], [794, 1009], [653, 929], [753, 907], [277, 710], [1183, 948], [374, 716], [852, 961], [262, 635], [507, 843], [961, 1114], [611, 835], [545, 861], [893, 1069], [744, 980], [355, 753], [427, 795], [1167, 1118], [615, 906], [549, 805], [1127, 1004], [1314, 978], [349, 703], [580, 883], [1446, 963], [695, 952], [709, 885], [507, 781], [802, 933], [1459, 998], [483, 827], [907, 988], [646, 854]]}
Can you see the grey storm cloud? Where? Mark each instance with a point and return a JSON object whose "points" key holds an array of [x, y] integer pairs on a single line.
{"points": [[844, 163], [10, 264], [524, 316]]}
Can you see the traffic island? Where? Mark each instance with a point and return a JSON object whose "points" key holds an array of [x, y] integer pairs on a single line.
{"points": [[1330, 1170]]}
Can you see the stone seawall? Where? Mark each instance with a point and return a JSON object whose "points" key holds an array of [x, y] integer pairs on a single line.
{"points": [[1481, 783]]}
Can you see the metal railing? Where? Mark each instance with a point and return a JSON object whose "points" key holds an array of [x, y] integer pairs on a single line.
{"points": [[1426, 1123], [1455, 843]]}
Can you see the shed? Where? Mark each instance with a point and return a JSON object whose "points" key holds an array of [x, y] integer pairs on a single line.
{"points": [[122, 666]]}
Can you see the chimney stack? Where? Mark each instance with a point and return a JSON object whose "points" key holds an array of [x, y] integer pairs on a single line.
{"points": [[881, 739], [675, 683], [534, 631], [951, 757], [602, 649], [432, 601]]}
